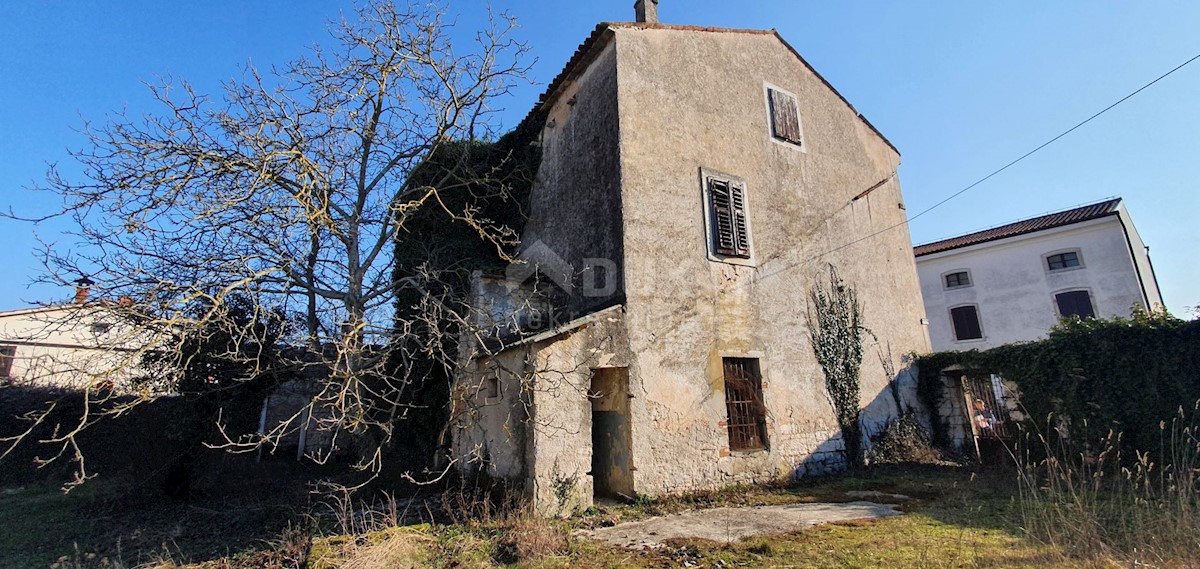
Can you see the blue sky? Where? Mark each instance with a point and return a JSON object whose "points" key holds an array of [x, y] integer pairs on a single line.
{"points": [[961, 88]]}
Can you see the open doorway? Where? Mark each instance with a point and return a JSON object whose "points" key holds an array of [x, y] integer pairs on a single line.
{"points": [[612, 440]]}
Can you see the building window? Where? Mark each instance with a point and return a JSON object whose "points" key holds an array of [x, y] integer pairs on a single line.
{"points": [[1060, 261], [966, 323], [730, 234], [492, 386], [747, 418], [7, 354], [785, 117], [1075, 303], [958, 279]]}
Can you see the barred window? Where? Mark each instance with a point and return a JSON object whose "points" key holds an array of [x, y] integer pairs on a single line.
{"points": [[747, 420]]}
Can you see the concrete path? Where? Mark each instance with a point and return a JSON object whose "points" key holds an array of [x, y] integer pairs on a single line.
{"points": [[733, 524]]}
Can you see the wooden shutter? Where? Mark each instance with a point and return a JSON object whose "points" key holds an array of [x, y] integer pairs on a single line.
{"points": [[731, 235], [966, 323], [1075, 303], [785, 119]]}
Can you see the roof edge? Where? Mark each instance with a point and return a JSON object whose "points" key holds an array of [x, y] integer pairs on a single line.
{"points": [[1070, 216], [592, 46]]}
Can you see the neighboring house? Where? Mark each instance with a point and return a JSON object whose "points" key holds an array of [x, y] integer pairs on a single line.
{"points": [[1015, 282], [78, 345], [695, 185]]}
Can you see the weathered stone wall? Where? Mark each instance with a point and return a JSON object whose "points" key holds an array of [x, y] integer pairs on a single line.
{"points": [[696, 99], [537, 433], [575, 206]]}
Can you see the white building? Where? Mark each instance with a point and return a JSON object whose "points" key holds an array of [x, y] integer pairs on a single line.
{"points": [[1015, 282], [75, 346]]}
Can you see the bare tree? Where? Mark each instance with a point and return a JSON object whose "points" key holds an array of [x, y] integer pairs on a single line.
{"points": [[291, 189]]}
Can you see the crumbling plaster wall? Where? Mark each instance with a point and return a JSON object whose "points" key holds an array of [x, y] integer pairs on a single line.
{"points": [[575, 206], [538, 431], [695, 99]]}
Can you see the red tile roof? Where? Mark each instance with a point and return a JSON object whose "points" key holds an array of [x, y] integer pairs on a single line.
{"points": [[1059, 219], [595, 42]]}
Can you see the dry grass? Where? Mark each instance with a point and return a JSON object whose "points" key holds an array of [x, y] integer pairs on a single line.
{"points": [[1136, 511]]}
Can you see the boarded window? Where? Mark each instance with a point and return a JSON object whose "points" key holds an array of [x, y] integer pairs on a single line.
{"points": [[785, 119], [744, 404], [1075, 303], [959, 279], [7, 354], [966, 323], [727, 212], [1062, 261]]}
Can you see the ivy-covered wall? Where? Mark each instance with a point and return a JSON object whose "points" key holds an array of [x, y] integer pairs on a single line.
{"points": [[436, 250], [1123, 374]]}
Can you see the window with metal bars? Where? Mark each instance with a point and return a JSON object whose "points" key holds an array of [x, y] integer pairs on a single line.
{"points": [[785, 117], [727, 216], [747, 417]]}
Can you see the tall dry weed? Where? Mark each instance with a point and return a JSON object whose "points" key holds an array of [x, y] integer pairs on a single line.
{"points": [[1101, 503]]}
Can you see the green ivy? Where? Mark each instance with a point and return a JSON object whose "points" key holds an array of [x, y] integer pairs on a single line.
{"points": [[837, 344], [1091, 376]]}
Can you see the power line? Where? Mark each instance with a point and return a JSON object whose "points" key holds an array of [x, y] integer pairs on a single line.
{"points": [[1002, 168]]}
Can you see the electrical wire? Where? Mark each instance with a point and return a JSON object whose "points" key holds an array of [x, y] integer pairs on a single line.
{"points": [[1002, 168]]}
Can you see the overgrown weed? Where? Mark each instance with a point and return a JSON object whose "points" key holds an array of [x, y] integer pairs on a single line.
{"points": [[1137, 510]]}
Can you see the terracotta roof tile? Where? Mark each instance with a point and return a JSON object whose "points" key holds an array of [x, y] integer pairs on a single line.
{"points": [[1059, 219]]}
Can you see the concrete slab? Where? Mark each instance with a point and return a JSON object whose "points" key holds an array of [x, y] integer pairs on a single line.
{"points": [[734, 524]]}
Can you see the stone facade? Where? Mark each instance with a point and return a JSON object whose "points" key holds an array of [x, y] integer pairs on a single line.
{"points": [[621, 205]]}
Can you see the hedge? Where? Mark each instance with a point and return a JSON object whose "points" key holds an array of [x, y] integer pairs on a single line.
{"points": [[1127, 375]]}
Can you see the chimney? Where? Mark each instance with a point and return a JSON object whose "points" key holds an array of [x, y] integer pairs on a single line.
{"points": [[647, 11], [83, 289]]}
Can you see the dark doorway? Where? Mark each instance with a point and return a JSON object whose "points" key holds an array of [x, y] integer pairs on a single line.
{"points": [[612, 440]]}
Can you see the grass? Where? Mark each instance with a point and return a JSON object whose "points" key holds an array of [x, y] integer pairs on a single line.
{"points": [[957, 517]]}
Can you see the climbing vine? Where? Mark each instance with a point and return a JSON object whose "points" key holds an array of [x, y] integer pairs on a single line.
{"points": [[836, 324]]}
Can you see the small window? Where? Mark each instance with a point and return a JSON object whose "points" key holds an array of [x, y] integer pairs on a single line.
{"points": [[1075, 303], [957, 280], [727, 216], [1062, 261], [747, 418], [785, 118], [966, 323], [7, 354], [492, 387], [101, 328]]}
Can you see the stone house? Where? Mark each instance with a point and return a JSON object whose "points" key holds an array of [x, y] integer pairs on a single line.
{"points": [[695, 185], [1014, 282]]}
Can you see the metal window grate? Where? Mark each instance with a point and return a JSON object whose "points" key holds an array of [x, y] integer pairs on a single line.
{"points": [[744, 404], [987, 409]]}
